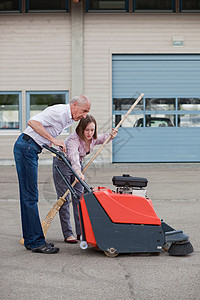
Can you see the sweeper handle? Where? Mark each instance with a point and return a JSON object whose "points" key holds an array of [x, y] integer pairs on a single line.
{"points": [[62, 156]]}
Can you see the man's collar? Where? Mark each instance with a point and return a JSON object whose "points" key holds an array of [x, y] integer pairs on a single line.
{"points": [[70, 114]]}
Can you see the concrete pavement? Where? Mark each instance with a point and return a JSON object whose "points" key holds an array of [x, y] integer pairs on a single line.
{"points": [[77, 274]]}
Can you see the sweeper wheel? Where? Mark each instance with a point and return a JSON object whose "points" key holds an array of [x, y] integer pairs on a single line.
{"points": [[112, 252], [167, 246], [83, 245]]}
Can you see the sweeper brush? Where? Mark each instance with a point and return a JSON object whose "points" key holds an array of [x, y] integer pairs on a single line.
{"points": [[124, 221]]}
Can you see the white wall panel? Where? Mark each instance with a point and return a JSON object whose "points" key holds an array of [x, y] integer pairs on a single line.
{"points": [[35, 52]]}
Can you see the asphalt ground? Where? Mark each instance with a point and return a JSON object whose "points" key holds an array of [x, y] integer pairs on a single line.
{"points": [[74, 273]]}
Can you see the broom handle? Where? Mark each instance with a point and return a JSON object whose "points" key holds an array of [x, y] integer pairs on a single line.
{"points": [[107, 140], [118, 125]]}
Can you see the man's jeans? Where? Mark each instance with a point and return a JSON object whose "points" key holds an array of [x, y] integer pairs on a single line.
{"points": [[26, 159]]}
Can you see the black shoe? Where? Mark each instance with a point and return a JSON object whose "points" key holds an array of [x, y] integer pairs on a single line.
{"points": [[46, 249], [50, 244]]}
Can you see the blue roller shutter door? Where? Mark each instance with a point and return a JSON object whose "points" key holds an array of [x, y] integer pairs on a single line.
{"points": [[164, 76]]}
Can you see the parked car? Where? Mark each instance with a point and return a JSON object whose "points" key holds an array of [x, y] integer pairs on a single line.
{"points": [[154, 122]]}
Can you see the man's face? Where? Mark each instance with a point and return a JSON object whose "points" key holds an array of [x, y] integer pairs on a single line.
{"points": [[80, 111]]}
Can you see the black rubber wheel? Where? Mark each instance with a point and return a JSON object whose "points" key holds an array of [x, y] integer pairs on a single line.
{"points": [[112, 252]]}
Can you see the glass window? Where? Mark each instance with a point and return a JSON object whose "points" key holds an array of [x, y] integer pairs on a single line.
{"points": [[156, 121], [121, 5], [10, 5], [130, 121], [160, 104], [154, 5], [9, 111], [121, 106], [190, 5], [126, 103], [47, 5], [38, 102], [189, 104], [189, 120]]}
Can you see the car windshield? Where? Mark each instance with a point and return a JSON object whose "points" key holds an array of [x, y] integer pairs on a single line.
{"points": [[154, 122]]}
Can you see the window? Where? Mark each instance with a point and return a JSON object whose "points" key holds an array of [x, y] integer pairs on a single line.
{"points": [[160, 104], [189, 104], [10, 110], [158, 112], [107, 5], [189, 112], [38, 101], [46, 5], [150, 112], [155, 120], [120, 108], [154, 5], [10, 5], [189, 120], [190, 5]]}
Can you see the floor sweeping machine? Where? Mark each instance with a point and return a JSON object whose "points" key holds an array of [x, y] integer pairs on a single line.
{"points": [[124, 221]]}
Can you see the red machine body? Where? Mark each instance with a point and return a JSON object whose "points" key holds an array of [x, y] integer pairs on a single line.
{"points": [[121, 208], [126, 208]]}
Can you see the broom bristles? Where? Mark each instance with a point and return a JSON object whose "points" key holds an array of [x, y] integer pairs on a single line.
{"points": [[178, 249]]}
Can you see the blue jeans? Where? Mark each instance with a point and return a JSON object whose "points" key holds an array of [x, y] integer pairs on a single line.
{"points": [[26, 160], [61, 188]]}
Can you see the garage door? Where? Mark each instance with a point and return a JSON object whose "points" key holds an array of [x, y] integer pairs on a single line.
{"points": [[165, 126]]}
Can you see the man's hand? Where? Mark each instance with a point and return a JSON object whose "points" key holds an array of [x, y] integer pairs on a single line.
{"points": [[59, 143], [37, 127]]}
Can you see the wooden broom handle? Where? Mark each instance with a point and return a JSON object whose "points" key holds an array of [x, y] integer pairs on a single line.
{"points": [[118, 125], [107, 140]]}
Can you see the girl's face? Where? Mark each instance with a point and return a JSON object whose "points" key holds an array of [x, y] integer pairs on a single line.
{"points": [[89, 131]]}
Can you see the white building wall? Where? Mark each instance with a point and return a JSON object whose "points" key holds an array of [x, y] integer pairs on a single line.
{"points": [[35, 55], [35, 52], [107, 34]]}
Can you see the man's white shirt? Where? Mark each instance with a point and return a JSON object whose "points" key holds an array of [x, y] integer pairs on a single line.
{"points": [[54, 119]]}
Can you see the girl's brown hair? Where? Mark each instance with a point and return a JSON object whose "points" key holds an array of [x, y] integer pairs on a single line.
{"points": [[83, 124]]}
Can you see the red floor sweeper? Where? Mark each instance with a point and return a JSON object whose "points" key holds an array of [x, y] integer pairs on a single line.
{"points": [[123, 221]]}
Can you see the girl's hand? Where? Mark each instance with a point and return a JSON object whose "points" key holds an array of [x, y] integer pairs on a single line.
{"points": [[113, 133], [80, 175]]}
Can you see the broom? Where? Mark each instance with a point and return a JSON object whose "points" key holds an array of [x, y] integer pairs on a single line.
{"points": [[56, 207]]}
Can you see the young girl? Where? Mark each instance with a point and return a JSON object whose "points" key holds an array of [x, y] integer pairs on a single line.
{"points": [[78, 145]]}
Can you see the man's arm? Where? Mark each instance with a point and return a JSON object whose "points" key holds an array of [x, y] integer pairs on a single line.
{"points": [[37, 127]]}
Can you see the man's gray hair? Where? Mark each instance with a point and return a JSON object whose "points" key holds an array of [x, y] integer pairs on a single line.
{"points": [[81, 100]]}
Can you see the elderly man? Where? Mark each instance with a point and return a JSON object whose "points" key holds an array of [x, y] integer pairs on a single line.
{"points": [[42, 129]]}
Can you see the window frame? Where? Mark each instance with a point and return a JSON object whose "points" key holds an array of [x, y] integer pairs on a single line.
{"points": [[89, 10], [187, 10], [184, 112], [13, 11], [29, 93], [20, 111], [27, 10], [173, 10]]}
